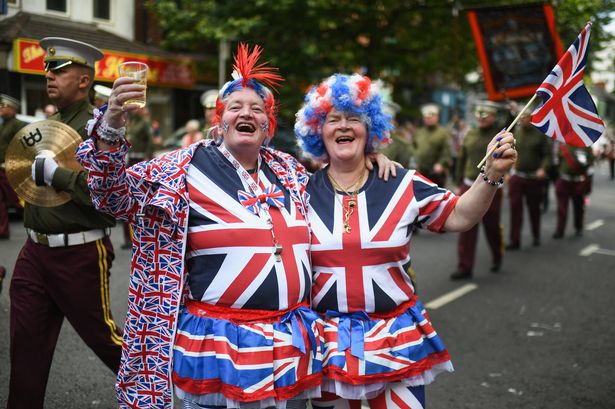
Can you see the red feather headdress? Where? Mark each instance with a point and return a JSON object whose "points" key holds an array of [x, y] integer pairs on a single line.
{"points": [[247, 68]]}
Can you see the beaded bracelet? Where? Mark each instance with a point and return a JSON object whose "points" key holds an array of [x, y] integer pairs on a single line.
{"points": [[98, 128], [489, 181], [112, 136]]}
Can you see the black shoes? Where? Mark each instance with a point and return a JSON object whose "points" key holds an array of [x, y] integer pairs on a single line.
{"points": [[461, 275], [495, 267], [579, 233], [558, 235]]}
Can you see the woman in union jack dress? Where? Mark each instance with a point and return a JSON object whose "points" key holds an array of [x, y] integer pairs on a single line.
{"points": [[379, 343], [218, 298]]}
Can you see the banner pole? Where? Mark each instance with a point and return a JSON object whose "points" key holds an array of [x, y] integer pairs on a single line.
{"points": [[482, 162]]}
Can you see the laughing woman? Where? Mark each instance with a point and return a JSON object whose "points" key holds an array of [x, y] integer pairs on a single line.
{"points": [[379, 342], [219, 288]]}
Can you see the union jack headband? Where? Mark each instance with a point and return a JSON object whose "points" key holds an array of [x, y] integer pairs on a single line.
{"points": [[248, 73], [346, 93]]}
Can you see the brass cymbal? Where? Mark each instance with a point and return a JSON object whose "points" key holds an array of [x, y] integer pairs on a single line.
{"points": [[55, 138]]}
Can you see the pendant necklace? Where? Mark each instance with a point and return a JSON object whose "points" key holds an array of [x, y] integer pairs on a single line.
{"points": [[352, 197]]}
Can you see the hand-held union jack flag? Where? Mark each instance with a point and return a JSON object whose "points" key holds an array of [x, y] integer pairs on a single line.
{"points": [[568, 113]]}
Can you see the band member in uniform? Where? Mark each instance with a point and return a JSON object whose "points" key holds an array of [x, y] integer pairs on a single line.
{"points": [[208, 101], [101, 95], [63, 268], [9, 107], [527, 180], [573, 184], [472, 152], [379, 341], [432, 146]]}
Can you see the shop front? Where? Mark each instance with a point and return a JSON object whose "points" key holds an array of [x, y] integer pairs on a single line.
{"points": [[165, 75]]}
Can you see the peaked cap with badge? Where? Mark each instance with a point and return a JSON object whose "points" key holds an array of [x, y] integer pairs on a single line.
{"points": [[7, 100], [61, 52]]}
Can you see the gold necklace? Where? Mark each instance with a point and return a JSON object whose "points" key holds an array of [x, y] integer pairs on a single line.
{"points": [[352, 201]]}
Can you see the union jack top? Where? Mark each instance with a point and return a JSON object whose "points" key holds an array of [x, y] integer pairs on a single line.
{"points": [[226, 236], [365, 270], [568, 113], [153, 196]]}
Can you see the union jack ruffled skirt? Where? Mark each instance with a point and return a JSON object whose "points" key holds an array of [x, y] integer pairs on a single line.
{"points": [[247, 358], [363, 352]]}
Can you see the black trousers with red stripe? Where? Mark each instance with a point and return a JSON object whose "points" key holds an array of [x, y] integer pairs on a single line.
{"points": [[47, 285]]}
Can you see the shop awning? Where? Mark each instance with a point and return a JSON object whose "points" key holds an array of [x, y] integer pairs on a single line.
{"points": [[23, 31]]}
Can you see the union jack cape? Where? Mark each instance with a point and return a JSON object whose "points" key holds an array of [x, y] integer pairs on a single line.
{"points": [[153, 197], [568, 113]]}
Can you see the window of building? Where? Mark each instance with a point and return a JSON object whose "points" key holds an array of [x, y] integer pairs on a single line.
{"points": [[56, 5], [102, 9], [13, 2]]}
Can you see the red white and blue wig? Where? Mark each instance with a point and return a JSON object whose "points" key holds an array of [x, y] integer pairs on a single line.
{"points": [[247, 73], [355, 94]]}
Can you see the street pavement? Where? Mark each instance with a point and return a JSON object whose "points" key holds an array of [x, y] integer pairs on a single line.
{"points": [[539, 334]]}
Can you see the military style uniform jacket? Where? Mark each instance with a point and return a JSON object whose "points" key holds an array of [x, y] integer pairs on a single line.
{"points": [[472, 152], [399, 150], [583, 159], [533, 150], [79, 213], [139, 134], [432, 146], [8, 129]]}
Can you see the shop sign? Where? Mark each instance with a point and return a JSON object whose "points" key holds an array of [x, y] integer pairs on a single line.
{"points": [[29, 58]]}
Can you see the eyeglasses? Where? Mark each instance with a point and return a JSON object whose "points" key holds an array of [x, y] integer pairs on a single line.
{"points": [[56, 64]]}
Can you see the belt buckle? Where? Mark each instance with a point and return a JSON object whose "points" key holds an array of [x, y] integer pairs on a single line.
{"points": [[42, 239]]}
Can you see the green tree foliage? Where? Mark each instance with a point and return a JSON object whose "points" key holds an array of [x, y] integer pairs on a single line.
{"points": [[416, 45]]}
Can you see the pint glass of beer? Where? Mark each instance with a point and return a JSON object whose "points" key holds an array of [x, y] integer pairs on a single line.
{"points": [[137, 71]]}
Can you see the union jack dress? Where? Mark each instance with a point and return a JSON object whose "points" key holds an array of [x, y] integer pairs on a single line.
{"points": [[245, 336], [376, 331]]}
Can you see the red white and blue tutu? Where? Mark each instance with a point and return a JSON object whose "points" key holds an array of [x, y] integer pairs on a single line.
{"points": [[363, 352], [228, 357]]}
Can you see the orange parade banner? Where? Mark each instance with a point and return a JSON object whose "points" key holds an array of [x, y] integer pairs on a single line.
{"points": [[28, 57]]}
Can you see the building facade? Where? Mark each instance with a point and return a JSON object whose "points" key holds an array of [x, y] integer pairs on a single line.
{"points": [[121, 29]]}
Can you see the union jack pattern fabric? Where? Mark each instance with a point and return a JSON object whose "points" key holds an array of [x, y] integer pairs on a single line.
{"points": [[153, 197], [361, 285], [365, 270], [222, 363], [272, 195], [225, 236], [567, 112], [395, 396]]}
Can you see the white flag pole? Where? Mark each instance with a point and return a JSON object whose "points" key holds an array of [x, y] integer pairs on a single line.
{"points": [[482, 162]]}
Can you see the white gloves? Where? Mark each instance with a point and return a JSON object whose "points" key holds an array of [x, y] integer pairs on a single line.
{"points": [[43, 169]]}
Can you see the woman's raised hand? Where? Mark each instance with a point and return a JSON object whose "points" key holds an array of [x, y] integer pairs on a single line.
{"points": [[504, 156], [123, 89]]}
